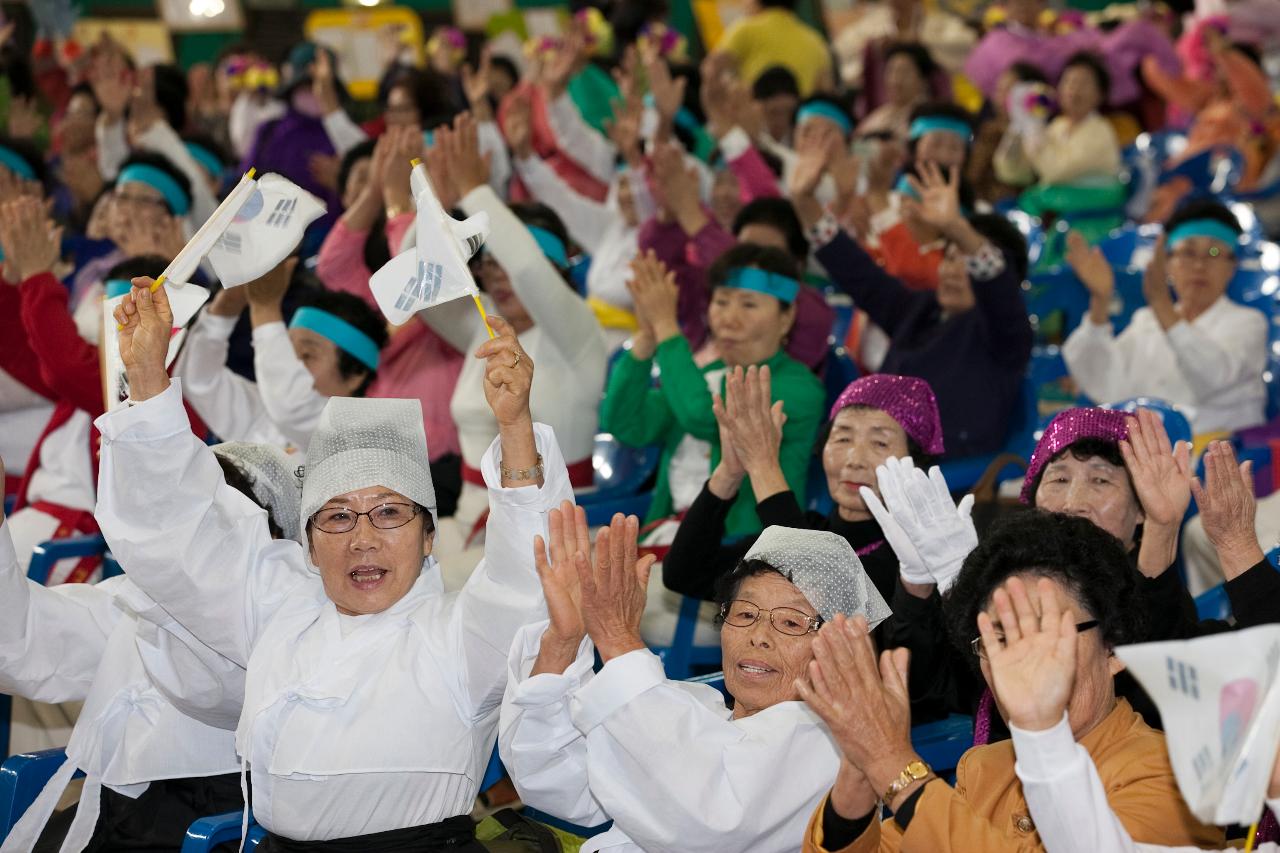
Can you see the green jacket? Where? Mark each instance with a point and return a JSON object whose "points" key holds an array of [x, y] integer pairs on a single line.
{"points": [[638, 414]]}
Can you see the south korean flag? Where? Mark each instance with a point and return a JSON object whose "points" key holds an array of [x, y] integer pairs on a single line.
{"points": [[265, 230]]}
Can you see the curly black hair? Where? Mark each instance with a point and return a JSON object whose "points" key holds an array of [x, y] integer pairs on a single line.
{"points": [[1073, 551]]}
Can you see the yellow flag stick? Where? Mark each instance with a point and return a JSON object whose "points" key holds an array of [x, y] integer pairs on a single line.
{"points": [[483, 316], [160, 281], [1253, 834]]}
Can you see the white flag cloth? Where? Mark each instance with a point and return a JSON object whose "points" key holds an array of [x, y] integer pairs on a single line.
{"points": [[257, 226], [1219, 699], [435, 270]]}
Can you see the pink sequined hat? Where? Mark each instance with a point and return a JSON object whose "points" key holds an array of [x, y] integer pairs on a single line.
{"points": [[906, 399], [1066, 429]]}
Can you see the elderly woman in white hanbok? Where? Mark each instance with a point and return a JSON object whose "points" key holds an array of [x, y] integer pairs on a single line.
{"points": [[371, 699], [673, 765], [155, 737]]}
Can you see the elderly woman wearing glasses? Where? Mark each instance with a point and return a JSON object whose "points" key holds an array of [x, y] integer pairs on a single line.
{"points": [[671, 763], [1203, 352], [371, 698], [1065, 564]]}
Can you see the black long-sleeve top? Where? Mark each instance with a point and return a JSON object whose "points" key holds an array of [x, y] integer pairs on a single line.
{"points": [[974, 361]]}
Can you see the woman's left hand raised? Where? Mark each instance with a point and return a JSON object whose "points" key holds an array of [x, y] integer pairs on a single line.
{"points": [[146, 324], [508, 375], [614, 587]]}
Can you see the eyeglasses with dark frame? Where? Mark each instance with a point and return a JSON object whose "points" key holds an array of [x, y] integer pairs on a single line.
{"points": [[741, 613], [388, 516], [975, 645]]}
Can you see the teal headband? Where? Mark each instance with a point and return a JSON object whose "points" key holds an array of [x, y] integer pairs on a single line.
{"points": [[345, 336], [1203, 228], [928, 124], [821, 109], [551, 246], [903, 187], [16, 163], [141, 173], [780, 287], [114, 287], [206, 158]]}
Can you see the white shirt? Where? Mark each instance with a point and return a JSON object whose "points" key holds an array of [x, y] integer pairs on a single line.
{"points": [[588, 147], [1212, 366], [566, 343], [388, 727], [663, 759], [109, 646], [1067, 800], [65, 473], [281, 409]]}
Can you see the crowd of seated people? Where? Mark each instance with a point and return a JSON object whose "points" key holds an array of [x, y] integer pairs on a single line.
{"points": [[385, 586]]}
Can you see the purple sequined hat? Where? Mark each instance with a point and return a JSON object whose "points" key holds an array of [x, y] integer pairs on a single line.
{"points": [[1065, 430], [906, 399]]}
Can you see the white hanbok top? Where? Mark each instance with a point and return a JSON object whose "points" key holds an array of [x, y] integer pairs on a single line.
{"points": [[113, 648], [663, 759], [351, 725], [1067, 800], [1212, 366], [281, 409]]}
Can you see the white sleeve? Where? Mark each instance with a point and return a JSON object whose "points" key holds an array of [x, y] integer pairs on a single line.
{"points": [[1095, 360], [198, 547], [504, 592], [494, 144], [113, 147], [586, 220], [541, 748], [714, 793], [1066, 797], [162, 139], [343, 133], [582, 142], [285, 386], [229, 404], [1211, 364], [51, 638], [551, 302]]}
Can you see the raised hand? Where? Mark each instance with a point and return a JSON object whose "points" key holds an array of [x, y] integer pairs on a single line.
{"points": [[614, 588], [918, 507], [812, 150], [112, 83], [569, 541], [403, 146], [566, 61], [727, 477], [322, 84], [1033, 666], [1155, 280], [755, 423], [475, 86], [145, 323], [624, 130], [508, 374], [1092, 267], [939, 196], [266, 294], [1227, 508], [866, 706], [517, 124], [667, 91], [677, 186], [31, 242], [1161, 473], [468, 169], [656, 295]]}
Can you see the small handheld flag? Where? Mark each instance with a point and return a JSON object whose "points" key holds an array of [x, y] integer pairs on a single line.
{"points": [[435, 270]]}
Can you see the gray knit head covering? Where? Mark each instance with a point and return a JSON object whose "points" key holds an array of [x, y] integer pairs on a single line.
{"points": [[824, 567], [274, 478]]}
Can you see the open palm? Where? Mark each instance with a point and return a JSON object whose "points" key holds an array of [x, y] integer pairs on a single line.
{"points": [[1161, 474], [570, 540]]}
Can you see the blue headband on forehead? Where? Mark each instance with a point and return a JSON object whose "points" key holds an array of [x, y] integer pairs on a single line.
{"points": [[928, 124], [158, 180], [1211, 228], [822, 109], [551, 246], [16, 163], [114, 287], [780, 287], [345, 336]]}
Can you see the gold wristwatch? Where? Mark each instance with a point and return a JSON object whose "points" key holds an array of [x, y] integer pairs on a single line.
{"points": [[914, 772]]}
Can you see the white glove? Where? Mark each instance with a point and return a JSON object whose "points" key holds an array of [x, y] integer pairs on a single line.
{"points": [[940, 533], [910, 565]]}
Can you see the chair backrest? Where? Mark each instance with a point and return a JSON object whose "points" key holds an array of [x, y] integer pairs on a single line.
{"points": [[680, 658], [1213, 604], [620, 469], [838, 371], [47, 554], [204, 835], [1174, 419], [22, 778], [941, 744]]}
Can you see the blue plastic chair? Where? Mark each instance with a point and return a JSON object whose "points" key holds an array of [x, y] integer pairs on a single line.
{"points": [[941, 744], [208, 832], [680, 658], [620, 472], [22, 778], [1214, 604], [1174, 419], [1055, 291], [494, 772], [47, 554], [9, 502]]}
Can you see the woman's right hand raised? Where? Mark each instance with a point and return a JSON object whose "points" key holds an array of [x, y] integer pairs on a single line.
{"points": [[145, 325], [557, 564]]}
